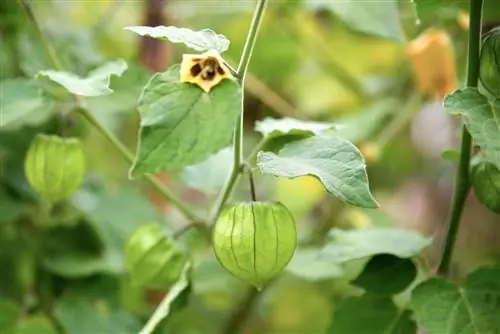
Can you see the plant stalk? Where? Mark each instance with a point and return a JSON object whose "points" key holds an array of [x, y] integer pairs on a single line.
{"points": [[246, 55], [462, 181], [129, 157]]}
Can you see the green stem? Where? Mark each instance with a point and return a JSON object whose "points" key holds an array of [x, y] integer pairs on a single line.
{"points": [[250, 179], [234, 176], [160, 187], [462, 182]]}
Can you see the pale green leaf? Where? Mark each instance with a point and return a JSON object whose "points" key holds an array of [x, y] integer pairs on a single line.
{"points": [[163, 309], [371, 314], [95, 84], [211, 174], [332, 160], [181, 125], [308, 264], [481, 118], [357, 244], [372, 17], [386, 274], [426, 7], [22, 103], [443, 308], [202, 40]]}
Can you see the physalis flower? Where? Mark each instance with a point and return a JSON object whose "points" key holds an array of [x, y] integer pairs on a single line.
{"points": [[433, 62], [205, 70]]}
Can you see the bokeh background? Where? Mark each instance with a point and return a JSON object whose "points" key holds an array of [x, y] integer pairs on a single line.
{"points": [[373, 68]]}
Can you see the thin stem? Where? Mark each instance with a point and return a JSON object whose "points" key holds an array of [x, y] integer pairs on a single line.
{"points": [[462, 182], [234, 176], [48, 47], [250, 179], [160, 187]]}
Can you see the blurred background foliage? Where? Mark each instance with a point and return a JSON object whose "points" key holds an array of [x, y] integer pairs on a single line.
{"points": [[372, 68]]}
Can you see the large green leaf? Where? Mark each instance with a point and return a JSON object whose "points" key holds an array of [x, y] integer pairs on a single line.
{"points": [[308, 264], [357, 244], [372, 17], [22, 103], [93, 307], [202, 40], [95, 84], [182, 125], [9, 314], [443, 308], [481, 118], [332, 160], [386, 274], [371, 314]]}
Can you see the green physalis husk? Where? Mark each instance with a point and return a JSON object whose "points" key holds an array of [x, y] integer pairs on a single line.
{"points": [[152, 258], [255, 241], [55, 166], [485, 179], [489, 70]]}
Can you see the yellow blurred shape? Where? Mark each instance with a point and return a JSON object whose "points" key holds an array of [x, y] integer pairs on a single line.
{"points": [[356, 218], [370, 151], [463, 20], [204, 70], [299, 195], [432, 61]]}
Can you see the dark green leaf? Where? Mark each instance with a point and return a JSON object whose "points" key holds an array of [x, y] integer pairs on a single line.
{"points": [[36, 325], [371, 17], [481, 118], [95, 84], [94, 308], [370, 314], [22, 104], [308, 264], [442, 307], [387, 274], [334, 161], [182, 125], [202, 40], [357, 244]]}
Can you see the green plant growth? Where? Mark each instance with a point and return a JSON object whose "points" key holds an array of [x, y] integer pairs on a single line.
{"points": [[85, 254]]}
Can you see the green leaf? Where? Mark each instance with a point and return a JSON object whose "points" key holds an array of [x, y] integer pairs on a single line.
{"points": [[334, 161], [308, 264], [9, 314], [481, 118], [371, 17], [371, 314], [94, 308], [386, 274], [211, 174], [202, 40], [36, 325], [22, 104], [426, 7], [278, 132], [357, 244], [442, 307], [163, 309], [182, 125], [95, 84], [451, 155]]}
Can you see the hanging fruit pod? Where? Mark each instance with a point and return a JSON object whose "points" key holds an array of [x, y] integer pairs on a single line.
{"points": [[255, 241], [55, 166], [489, 70], [152, 258]]}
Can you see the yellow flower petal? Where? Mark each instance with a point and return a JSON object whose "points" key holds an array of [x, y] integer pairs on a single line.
{"points": [[204, 70]]}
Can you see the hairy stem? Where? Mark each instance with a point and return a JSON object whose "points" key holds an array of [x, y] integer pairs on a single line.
{"points": [[235, 174], [160, 187], [462, 182]]}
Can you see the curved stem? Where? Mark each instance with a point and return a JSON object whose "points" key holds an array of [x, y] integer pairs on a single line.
{"points": [[234, 176], [250, 179], [160, 187], [462, 182]]}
